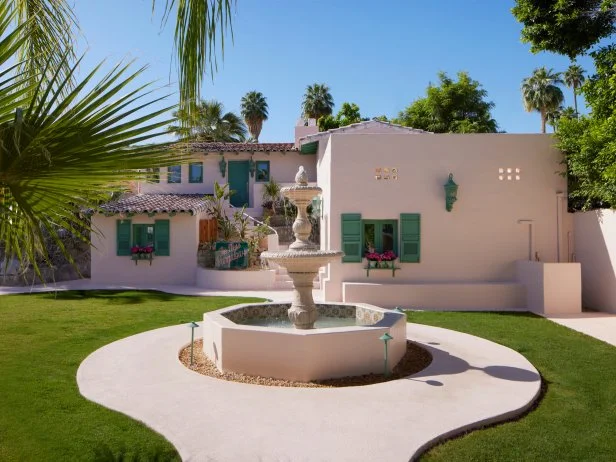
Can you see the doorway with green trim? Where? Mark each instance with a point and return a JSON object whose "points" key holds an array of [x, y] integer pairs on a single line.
{"points": [[238, 182]]}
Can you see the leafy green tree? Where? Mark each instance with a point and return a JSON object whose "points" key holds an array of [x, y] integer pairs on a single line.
{"points": [[553, 117], [209, 122], [254, 111], [540, 92], [589, 142], [574, 78], [451, 107], [348, 114], [318, 101], [567, 27]]}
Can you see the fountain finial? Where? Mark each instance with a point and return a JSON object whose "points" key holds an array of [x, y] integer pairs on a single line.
{"points": [[301, 178]]}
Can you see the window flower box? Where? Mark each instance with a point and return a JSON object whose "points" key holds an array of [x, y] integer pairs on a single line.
{"points": [[378, 261], [142, 253]]}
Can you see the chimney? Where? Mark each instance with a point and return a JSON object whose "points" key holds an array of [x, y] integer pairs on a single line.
{"points": [[305, 127]]}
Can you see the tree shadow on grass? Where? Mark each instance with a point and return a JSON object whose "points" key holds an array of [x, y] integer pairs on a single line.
{"points": [[113, 297]]}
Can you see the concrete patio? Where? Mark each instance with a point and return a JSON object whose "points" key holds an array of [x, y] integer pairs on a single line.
{"points": [[471, 382]]}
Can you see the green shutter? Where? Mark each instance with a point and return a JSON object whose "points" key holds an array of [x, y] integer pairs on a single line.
{"points": [[123, 237], [410, 231], [161, 235], [352, 244]]}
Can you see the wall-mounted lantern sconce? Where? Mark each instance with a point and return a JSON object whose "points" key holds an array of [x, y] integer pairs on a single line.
{"points": [[251, 167], [451, 193], [222, 165]]}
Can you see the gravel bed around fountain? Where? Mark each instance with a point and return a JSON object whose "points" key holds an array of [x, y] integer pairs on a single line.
{"points": [[415, 360]]}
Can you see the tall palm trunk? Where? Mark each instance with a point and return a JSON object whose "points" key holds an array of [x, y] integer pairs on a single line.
{"points": [[575, 100], [543, 119]]}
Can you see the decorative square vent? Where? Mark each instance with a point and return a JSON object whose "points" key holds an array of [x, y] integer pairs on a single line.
{"points": [[509, 174]]}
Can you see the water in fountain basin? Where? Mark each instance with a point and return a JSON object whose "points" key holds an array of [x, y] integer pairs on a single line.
{"points": [[284, 322]]}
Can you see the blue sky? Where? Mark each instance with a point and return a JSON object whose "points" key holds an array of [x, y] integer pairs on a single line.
{"points": [[380, 55]]}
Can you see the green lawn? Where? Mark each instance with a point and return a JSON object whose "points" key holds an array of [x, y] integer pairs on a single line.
{"points": [[575, 421], [44, 338]]}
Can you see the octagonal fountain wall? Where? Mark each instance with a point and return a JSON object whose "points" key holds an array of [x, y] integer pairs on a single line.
{"points": [[235, 341]]}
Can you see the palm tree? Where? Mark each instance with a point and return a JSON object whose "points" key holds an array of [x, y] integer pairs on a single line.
{"points": [[540, 93], [574, 78], [318, 101], [64, 149], [254, 111], [209, 122]]}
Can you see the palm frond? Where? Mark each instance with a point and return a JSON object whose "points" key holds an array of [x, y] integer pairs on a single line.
{"points": [[67, 153], [199, 25], [51, 28]]}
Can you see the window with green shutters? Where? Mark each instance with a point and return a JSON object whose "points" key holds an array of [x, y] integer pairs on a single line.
{"points": [[123, 237], [162, 245], [195, 172], [410, 237], [352, 244], [142, 235]]}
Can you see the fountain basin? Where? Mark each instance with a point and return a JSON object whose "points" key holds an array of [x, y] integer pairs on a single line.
{"points": [[303, 354]]}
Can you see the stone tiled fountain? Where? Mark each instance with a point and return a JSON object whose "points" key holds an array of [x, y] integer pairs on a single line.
{"points": [[258, 339], [303, 259]]}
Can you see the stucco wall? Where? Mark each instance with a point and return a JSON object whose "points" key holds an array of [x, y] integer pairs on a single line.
{"points": [[595, 249], [480, 240], [283, 168], [178, 268]]}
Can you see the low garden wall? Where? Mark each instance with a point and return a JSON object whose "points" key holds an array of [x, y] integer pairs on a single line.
{"points": [[552, 288], [438, 296], [235, 279]]}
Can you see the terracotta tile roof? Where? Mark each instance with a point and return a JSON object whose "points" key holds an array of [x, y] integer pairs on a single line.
{"points": [[242, 147], [156, 203]]}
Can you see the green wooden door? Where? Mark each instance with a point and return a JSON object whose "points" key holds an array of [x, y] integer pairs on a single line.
{"points": [[238, 182]]}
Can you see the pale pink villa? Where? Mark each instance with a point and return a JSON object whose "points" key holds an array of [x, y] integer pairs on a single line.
{"points": [[502, 241]]}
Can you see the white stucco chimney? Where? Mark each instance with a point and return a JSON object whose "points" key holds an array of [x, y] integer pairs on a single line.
{"points": [[305, 127]]}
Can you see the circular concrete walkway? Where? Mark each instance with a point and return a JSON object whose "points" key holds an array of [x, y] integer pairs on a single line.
{"points": [[471, 382]]}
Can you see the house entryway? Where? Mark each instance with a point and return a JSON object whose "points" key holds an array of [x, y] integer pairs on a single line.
{"points": [[238, 182]]}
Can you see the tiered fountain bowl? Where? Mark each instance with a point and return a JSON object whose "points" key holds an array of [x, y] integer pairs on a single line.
{"points": [[281, 341]]}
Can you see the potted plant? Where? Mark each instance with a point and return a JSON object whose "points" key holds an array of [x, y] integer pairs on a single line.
{"points": [[271, 194]]}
